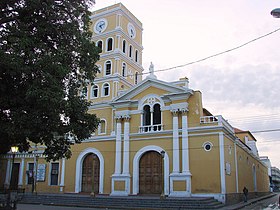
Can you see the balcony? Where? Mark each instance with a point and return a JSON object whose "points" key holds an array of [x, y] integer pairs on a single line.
{"points": [[216, 120], [150, 128]]}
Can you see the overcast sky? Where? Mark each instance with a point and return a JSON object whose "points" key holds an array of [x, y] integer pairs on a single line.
{"points": [[242, 85]]}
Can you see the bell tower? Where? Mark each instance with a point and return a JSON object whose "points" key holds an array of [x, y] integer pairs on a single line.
{"points": [[118, 33]]}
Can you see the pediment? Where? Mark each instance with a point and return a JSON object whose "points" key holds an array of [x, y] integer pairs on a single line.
{"points": [[154, 86]]}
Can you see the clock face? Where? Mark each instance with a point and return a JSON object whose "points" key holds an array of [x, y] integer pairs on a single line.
{"points": [[131, 30], [100, 26]]}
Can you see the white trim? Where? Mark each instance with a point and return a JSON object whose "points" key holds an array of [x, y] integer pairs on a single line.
{"points": [[136, 161], [62, 175], [236, 168], [21, 171], [126, 148], [175, 140], [222, 163], [79, 169]]}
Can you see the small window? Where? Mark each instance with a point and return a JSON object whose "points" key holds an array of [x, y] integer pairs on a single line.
{"points": [[110, 44], [106, 88], [136, 78], [100, 45], [108, 67], [54, 173], [102, 127], [94, 91], [123, 69], [207, 146], [130, 51], [136, 56], [124, 46]]}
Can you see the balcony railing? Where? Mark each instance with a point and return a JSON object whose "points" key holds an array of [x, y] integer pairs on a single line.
{"points": [[216, 120], [150, 128]]}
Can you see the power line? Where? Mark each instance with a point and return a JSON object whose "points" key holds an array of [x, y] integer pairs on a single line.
{"points": [[215, 55]]}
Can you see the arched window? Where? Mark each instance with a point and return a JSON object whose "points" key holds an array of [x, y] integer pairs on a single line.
{"points": [[130, 51], [157, 115], [100, 45], [124, 46], [108, 67], [102, 127], [94, 91], [124, 69], [106, 89], [136, 56], [109, 44], [146, 118], [136, 78], [151, 117]]}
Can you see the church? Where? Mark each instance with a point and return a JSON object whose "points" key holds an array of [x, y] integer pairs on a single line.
{"points": [[155, 138]]}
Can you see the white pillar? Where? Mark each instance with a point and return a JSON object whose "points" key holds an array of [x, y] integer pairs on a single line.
{"points": [[126, 147], [236, 168], [185, 143], [222, 163], [8, 171], [175, 142], [20, 180], [118, 147], [62, 176]]}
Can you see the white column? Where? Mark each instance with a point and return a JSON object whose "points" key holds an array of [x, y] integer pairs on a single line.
{"points": [[20, 180], [185, 143], [126, 146], [222, 163], [62, 176], [118, 147], [175, 142], [236, 168], [8, 171]]}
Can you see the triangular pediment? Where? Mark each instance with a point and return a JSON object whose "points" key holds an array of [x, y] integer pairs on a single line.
{"points": [[157, 86]]}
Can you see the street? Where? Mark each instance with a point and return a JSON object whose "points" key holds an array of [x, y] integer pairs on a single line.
{"points": [[267, 204]]}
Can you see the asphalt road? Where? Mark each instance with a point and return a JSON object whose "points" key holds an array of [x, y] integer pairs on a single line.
{"points": [[267, 204]]}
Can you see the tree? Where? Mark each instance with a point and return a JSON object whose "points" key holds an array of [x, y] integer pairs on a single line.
{"points": [[46, 58]]}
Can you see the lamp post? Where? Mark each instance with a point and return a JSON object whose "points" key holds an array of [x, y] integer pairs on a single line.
{"points": [[14, 150], [275, 13], [162, 153]]}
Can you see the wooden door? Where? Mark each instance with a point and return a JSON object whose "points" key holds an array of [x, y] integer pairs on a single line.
{"points": [[150, 173], [90, 174], [15, 175]]}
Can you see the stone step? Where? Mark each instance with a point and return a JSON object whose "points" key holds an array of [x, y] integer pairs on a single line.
{"points": [[132, 202]]}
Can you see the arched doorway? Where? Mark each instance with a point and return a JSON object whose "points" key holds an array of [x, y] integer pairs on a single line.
{"points": [[151, 173], [90, 174]]}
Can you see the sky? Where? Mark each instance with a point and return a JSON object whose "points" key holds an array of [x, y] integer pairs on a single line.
{"points": [[243, 84]]}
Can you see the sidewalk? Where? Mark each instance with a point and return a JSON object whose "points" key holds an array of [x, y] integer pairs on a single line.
{"points": [[249, 202]]}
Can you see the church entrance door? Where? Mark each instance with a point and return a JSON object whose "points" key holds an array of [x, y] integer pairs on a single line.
{"points": [[150, 173], [90, 174]]}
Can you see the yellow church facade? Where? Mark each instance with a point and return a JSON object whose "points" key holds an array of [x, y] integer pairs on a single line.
{"points": [[154, 137]]}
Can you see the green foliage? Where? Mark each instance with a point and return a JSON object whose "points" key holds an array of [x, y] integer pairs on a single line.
{"points": [[46, 57]]}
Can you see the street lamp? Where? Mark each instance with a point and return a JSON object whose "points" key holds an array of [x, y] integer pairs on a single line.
{"points": [[14, 150], [162, 153], [275, 13]]}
